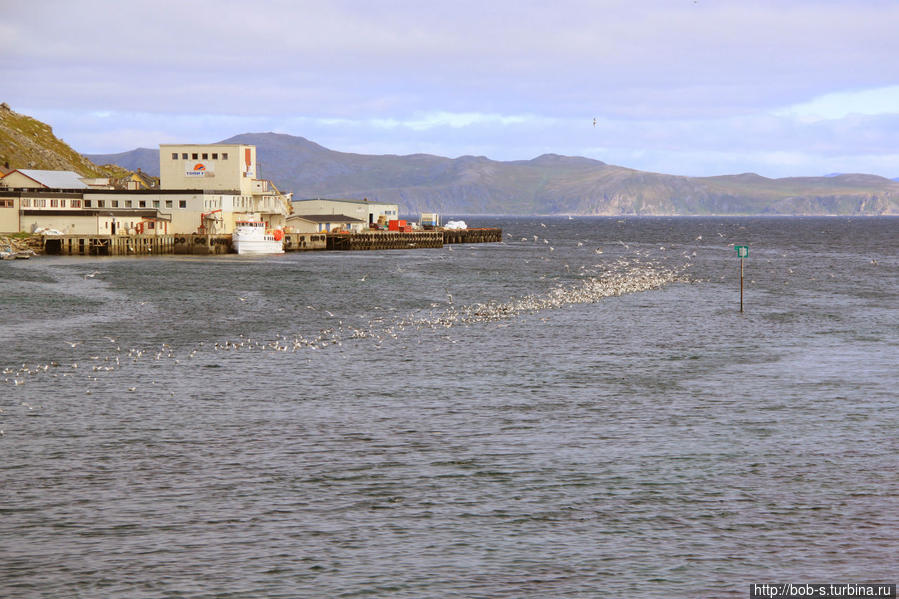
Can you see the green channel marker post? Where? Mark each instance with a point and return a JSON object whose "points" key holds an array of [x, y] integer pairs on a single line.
{"points": [[742, 252]]}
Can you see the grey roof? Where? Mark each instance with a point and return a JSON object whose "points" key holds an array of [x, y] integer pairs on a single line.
{"points": [[55, 179], [326, 218]]}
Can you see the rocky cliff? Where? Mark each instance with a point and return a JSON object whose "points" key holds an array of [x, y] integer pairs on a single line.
{"points": [[27, 143]]}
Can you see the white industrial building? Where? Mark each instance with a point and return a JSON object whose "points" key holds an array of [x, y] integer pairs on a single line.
{"points": [[203, 189], [324, 223], [364, 210]]}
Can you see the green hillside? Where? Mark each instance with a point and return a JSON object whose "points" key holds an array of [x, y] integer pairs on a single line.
{"points": [[26, 143]]}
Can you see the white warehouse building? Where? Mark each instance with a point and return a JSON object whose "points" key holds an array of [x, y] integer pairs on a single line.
{"points": [[204, 188], [363, 210]]}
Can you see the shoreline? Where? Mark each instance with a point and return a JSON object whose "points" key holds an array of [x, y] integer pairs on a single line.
{"points": [[206, 245]]}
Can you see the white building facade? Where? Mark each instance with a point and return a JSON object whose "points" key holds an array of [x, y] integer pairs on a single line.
{"points": [[203, 195], [364, 210]]}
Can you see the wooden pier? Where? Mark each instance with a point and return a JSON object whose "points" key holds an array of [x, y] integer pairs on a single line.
{"points": [[394, 240], [385, 240], [483, 235], [300, 242], [134, 245], [149, 245]]}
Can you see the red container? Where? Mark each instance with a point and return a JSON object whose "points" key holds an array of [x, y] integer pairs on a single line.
{"points": [[396, 225]]}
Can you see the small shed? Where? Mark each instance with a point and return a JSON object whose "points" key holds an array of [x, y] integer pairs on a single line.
{"points": [[324, 223]]}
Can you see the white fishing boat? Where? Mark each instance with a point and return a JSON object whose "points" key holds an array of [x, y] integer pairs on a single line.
{"points": [[251, 237]]}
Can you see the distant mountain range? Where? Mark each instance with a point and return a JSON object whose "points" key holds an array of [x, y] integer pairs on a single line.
{"points": [[548, 184]]}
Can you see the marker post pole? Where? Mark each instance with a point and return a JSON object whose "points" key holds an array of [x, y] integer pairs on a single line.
{"points": [[742, 252]]}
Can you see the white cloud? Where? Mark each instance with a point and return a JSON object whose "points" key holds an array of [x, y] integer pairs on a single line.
{"points": [[837, 105], [454, 120], [510, 80]]}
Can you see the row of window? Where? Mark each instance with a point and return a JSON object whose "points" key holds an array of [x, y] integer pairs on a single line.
{"points": [[146, 224], [196, 156], [52, 203], [7, 204], [57, 203]]}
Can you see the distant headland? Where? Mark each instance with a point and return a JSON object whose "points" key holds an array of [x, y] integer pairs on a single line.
{"points": [[549, 184]]}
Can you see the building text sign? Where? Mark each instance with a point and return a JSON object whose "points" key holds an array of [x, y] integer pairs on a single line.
{"points": [[199, 169]]}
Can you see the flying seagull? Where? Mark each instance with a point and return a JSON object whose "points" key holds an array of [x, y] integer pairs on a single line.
{"points": [[594, 121]]}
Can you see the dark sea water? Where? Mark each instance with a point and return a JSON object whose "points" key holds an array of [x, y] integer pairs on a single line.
{"points": [[476, 421]]}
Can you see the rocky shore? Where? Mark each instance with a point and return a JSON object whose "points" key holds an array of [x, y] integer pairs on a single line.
{"points": [[18, 247]]}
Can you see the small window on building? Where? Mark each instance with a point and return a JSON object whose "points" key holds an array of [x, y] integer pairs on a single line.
{"points": [[184, 156], [115, 203], [205, 156], [215, 156], [224, 155], [194, 156], [26, 203], [182, 203], [40, 203], [174, 155], [156, 203], [101, 203], [142, 204], [127, 203], [54, 203], [76, 203], [151, 225], [168, 203], [87, 203]]}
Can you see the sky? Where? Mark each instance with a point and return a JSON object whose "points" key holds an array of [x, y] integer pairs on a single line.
{"points": [[685, 87]]}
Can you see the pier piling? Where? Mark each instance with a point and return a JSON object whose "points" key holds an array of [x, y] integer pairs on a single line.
{"points": [[149, 245]]}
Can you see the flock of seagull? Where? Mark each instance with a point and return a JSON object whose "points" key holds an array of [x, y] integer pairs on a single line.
{"points": [[637, 271], [617, 277]]}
